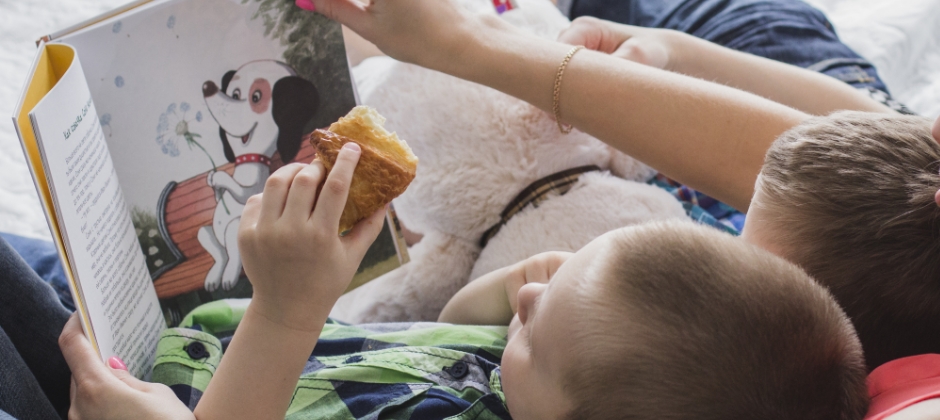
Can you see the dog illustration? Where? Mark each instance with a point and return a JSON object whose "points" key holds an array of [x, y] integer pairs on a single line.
{"points": [[261, 108]]}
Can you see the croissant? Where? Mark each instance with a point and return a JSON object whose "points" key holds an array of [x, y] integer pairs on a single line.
{"points": [[386, 166]]}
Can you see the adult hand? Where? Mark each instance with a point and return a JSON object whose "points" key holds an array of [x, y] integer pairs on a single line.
{"points": [[649, 46], [102, 393], [424, 32], [289, 240]]}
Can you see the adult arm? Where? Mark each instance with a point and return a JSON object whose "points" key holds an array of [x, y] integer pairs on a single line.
{"points": [[803, 89], [703, 134]]}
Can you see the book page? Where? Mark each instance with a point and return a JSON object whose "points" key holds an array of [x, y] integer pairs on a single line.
{"points": [[200, 101], [95, 224]]}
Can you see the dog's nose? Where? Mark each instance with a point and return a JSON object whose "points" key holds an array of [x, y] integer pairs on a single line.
{"points": [[209, 88]]}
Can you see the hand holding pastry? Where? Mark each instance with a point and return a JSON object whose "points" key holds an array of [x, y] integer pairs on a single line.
{"points": [[297, 263], [386, 165]]}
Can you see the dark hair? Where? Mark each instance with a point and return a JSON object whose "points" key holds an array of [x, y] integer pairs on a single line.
{"points": [[850, 198], [701, 325]]}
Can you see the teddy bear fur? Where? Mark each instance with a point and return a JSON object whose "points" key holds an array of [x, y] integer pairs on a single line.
{"points": [[478, 148]]}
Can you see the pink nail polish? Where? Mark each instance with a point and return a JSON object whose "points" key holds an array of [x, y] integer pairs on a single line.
{"points": [[116, 363], [352, 146], [306, 5]]}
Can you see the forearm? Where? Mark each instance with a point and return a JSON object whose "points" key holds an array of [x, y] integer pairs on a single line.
{"points": [[484, 301], [257, 377], [708, 136], [803, 89]]}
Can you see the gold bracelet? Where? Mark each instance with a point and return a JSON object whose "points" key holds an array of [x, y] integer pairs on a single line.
{"points": [[556, 105]]}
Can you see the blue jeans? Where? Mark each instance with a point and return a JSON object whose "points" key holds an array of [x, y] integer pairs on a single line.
{"points": [[34, 378], [788, 31]]}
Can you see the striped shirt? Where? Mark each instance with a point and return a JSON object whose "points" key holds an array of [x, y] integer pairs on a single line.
{"points": [[371, 371]]}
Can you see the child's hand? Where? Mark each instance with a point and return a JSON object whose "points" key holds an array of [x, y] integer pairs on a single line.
{"points": [[491, 299], [652, 47], [538, 268], [99, 392], [296, 261]]}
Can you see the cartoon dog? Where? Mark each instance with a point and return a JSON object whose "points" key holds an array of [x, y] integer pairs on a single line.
{"points": [[261, 108]]}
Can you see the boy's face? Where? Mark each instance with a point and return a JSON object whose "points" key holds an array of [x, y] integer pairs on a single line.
{"points": [[539, 352]]}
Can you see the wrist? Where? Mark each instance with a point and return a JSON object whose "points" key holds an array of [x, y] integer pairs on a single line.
{"points": [[301, 317], [472, 46], [681, 51]]}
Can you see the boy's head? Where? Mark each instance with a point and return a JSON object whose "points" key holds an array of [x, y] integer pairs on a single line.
{"points": [[674, 320], [851, 199]]}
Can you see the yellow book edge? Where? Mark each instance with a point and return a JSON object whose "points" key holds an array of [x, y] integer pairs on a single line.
{"points": [[54, 60]]}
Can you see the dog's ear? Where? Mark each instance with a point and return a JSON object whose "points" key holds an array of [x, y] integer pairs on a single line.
{"points": [[226, 79], [226, 146], [294, 101]]}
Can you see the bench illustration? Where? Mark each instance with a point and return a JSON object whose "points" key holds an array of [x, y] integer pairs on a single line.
{"points": [[182, 209]]}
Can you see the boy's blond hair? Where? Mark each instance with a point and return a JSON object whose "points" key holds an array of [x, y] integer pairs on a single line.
{"points": [[850, 198], [691, 323]]}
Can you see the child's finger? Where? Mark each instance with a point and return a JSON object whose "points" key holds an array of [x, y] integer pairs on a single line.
{"points": [[275, 192], [303, 191], [364, 233], [252, 210], [335, 190]]}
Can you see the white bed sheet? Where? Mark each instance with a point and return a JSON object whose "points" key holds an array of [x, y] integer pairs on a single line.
{"points": [[901, 37]]}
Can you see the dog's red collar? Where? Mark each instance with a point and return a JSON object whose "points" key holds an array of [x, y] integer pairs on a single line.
{"points": [[252, 157]]}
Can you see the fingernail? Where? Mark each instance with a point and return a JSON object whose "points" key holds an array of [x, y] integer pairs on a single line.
{"points": [[306, 5], [116, 363], [352, 146]]}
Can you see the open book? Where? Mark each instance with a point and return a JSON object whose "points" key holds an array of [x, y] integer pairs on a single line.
{"points": [[147, 129]]}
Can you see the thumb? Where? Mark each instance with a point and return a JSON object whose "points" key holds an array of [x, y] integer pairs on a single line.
{"points": [[584, 31], [650, 54], [365, 232], [124, 376]]}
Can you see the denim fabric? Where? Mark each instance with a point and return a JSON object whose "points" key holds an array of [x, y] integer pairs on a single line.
{"points": [[789, 31], [31, 319], [44, 259], [21, 397]]}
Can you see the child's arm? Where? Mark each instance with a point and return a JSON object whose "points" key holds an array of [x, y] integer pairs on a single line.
{"points": [[708, 136], [806, 90], [491, 299], [298, 266]]}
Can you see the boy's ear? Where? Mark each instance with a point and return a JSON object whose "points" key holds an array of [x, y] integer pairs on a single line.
{"points": [[936, 130]]}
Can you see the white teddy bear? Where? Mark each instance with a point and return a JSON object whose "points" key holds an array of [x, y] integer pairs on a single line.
{"points": [[478, 149]]}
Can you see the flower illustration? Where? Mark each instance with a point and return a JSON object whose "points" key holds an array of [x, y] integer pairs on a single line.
{"points": [[116, 27], [105, 121], [173, 127], [119, 81], [171, 22]]}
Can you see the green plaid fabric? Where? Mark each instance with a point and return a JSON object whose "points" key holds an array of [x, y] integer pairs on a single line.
{"points": [[371, 371]]}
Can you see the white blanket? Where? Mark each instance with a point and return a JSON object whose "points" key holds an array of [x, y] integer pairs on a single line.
{"points": [[902, 39]]}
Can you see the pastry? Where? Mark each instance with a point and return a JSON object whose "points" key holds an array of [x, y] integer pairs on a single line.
{"points": [[386, 166]]}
